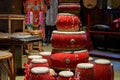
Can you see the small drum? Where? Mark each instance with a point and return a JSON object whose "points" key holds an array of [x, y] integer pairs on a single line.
{"points": [[85, 71], [69, 40], [67, 22], [46, 55], [33, 57], [64, 60], [40, 73], [90, 60], [103, 69], [39, 63], [65, 75]]}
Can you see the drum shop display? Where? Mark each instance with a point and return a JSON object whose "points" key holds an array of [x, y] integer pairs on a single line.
{"points": [[67, 22], [69, 40], [65, 75], [85, 71], [68, 59], [103, 69], [47, 56], [40, 73], [73, 8]]}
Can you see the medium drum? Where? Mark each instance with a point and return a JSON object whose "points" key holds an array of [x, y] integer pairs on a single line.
{"points": [[46, 55], [65, 75], [39, 63], [103, 69], [67, 22], [69, 40], [85, 71], [65, 60], [40, 73]]}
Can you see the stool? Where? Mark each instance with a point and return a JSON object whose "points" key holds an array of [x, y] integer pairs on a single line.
{"points": [[9, 65]]}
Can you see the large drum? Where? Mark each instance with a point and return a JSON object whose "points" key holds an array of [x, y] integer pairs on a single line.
{"points": [[85, 71], [69, 40], [65, 75], [64, 60], [46, 55], [67, 22], [103, 68], [40, 73]]}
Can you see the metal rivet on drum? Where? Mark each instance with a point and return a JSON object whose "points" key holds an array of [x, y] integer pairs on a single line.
{"points": [[67, 60], [72, 41]]}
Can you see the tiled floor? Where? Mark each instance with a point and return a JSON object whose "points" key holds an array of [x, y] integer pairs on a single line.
{"points": [[49, 48]]}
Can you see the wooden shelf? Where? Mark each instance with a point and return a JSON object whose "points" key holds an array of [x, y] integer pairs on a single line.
{"points": [[105, 33], [11, 17]]}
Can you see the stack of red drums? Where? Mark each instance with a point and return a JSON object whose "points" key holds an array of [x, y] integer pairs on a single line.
{"points": [[68, 42]]}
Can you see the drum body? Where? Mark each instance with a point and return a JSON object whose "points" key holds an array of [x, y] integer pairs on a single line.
{"points": [[73, 8], [65, 60], [69, 40], [67, 22], [65, 75], [103, 69], [85, 71], [40, 73], [46, 55]]}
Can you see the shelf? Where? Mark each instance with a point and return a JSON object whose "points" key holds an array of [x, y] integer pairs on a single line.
{"points": [[104, 32]]}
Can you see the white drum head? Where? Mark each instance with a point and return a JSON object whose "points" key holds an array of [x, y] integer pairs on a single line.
{"points": [[66, 73], [40, 70]]}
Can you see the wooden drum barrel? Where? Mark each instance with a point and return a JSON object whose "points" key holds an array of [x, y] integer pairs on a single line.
{"points": [[103, 69], [69, 40], [65, 75], [67, 22], [40, 73], [85, 71], [65, 60]]}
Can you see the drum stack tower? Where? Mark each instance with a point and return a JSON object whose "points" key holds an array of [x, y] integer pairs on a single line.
{"points": [[68, 41]]}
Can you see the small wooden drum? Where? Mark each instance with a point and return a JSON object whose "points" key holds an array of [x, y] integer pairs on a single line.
{"points": [[64, 60], [33, 57], [103, 69], [46, 55], [67, 22], [65, 75], [85, 71], [40, 73], [68, 40], [39, 63]]}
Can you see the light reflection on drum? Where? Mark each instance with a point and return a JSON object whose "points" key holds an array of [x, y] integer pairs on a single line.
{"points": [[69, 40]]}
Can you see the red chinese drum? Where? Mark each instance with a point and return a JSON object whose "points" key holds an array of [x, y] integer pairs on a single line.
{"points": [[33, 57], [39, 63], [67, 22], [85, 71], [46, 55], [103, 69], [64, 60], [69, 40], [65, 75], [40, 73]]}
